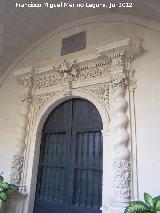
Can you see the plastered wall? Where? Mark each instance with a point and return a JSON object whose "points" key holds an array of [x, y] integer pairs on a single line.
{"points": [[147, 93]]}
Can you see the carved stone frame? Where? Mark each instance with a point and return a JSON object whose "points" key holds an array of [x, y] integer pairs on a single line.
{"points": [[102, 78]]}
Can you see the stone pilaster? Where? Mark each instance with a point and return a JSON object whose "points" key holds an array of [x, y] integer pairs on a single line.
{"points": [[18, 159]]}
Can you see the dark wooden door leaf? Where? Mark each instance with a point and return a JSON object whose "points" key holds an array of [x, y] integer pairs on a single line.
{"points": [[70, 164]]}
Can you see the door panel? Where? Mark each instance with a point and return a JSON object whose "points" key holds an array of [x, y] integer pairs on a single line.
{"points": [[51, 168], [70, 165], [88, 170]]}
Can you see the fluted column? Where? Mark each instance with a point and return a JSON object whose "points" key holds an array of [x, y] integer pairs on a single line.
{"points": [[18, 159], [121, 160]]}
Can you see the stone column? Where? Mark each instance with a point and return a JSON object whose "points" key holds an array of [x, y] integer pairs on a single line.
{"points": [[121, 159], [18, 159]]}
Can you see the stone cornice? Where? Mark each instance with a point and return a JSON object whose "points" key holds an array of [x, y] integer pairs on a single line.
{"points": [[85, 68], [130, 48]]}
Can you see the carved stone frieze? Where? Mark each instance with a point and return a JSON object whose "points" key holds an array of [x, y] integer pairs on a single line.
{"points": [[122, 178], [74, 73], [94, 73], [58, 74], [16, 169]]}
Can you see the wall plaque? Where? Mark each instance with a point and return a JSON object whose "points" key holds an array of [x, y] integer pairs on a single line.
{"points": [[73, 43]]}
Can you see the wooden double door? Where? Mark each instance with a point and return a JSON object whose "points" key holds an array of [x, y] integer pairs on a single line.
{"points": [[70, 164]]}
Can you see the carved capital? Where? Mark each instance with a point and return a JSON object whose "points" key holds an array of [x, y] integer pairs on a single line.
{"points": [[119, 81], [119, 73]]}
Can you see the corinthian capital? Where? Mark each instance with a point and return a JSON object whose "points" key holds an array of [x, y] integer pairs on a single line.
{"points": [[119, 81], [119, 74]]}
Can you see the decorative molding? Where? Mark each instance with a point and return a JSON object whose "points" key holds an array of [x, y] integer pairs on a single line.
{"points": [[121, 181], [90, 67], [77, 73], [16, 170]]}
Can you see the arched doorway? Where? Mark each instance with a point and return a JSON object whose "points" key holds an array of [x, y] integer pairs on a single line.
{"points": [[70, 164]]}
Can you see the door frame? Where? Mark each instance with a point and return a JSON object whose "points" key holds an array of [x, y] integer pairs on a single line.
{"points": [[106, 81], [35, 140]]}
